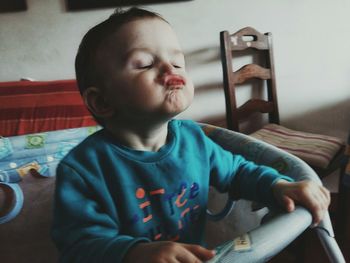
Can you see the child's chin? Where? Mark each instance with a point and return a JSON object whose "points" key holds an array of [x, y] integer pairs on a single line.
{"points": [[178, 108], [178, 103]]}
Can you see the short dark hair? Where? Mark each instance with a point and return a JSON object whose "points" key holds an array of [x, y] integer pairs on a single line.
{"points": [[85, 70]]}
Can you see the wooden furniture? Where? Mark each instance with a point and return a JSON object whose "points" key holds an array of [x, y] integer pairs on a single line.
{"points": [[343, 204], [322, 153]]}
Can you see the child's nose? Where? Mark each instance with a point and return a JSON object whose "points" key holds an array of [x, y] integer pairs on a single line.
{"points": [[167, 68]]}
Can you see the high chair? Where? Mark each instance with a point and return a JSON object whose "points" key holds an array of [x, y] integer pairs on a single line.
{"points": [[261, 234]]}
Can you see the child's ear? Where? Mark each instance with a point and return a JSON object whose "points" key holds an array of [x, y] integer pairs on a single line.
{"points": [[96, 102]]}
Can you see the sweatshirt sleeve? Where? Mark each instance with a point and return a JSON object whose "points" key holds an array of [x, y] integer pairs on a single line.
{"points": [[243, 179], [82, 230]]}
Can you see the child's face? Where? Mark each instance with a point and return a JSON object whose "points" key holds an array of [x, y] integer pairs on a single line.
{"points": [[143, 70]]}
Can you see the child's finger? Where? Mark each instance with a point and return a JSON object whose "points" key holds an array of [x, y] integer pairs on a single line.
{"points": [[288, 203], [318, 206], [200, 252], [186, 257], [317, 216], [327, 195], [323, 199]]}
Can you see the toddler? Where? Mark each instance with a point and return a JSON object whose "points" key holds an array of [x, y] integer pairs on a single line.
{"points": [[137, 190]]}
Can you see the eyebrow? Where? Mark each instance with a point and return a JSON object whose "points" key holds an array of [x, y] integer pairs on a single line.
{"points": [[147, 50]]}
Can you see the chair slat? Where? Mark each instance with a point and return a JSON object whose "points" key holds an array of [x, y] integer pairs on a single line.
{"points": [[254, 105], [251, 71]]}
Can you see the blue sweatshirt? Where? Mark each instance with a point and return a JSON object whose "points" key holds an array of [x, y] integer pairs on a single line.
{"points": [[108, 197]]}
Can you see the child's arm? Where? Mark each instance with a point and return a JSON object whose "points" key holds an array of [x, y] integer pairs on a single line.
{"points": [[85, 227], [309, 194], [167, 251], [250, 181]]}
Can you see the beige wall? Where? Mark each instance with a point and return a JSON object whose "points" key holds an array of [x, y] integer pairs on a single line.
{"points": [[311, 43]]}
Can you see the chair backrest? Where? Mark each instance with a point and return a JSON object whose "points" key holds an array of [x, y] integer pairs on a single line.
{"points": [[248, 41]]}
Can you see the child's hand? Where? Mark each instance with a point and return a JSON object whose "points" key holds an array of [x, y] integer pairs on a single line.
{"points": [[167, 251], [309, 194]]}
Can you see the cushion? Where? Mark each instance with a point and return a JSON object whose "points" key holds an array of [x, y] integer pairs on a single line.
{"points": [[315, 149], [37, 106], [38, 151]]}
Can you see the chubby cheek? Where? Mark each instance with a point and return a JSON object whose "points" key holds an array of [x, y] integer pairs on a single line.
{"points": [[144, 88], [188, 93], [190, 89], [144, 94], [134, 88]]}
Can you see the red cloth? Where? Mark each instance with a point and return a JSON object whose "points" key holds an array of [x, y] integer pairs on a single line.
{"points": [[38, 106]]}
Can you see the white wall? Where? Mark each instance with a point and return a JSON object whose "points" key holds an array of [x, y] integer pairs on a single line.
{"points": [[311, 44]]}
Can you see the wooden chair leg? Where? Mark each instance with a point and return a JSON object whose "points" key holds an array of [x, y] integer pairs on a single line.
{"points": [[342, 211]]}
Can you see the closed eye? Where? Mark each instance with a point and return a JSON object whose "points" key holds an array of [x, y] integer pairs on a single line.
{"points": [[145, 66]]}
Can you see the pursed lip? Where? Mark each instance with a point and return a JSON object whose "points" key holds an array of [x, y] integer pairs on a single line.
{"points": [[176, 81]]}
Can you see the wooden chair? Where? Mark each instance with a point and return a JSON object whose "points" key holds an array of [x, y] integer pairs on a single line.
{"points": [[323, 153]]}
